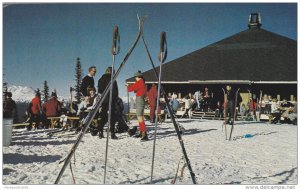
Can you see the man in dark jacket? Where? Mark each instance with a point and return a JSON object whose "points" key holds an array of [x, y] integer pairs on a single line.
{"points": [[9, 107], [103, 82], [88, 80]]}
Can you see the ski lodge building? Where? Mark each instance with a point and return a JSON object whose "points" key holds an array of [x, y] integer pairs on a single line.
{"points": [[254, 59]]}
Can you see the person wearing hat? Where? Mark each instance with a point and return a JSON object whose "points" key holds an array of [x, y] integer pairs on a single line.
{"points": [[140, 89], [51, 108], [103, 82]]}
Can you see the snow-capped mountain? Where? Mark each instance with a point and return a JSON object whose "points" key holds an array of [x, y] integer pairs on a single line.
{"points": [[25, 93], [21, 93]]}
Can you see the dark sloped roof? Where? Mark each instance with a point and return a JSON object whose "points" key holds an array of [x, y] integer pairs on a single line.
{"points": [[251, 55]]}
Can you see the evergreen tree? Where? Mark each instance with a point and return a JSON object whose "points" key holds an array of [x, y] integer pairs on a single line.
{"points": [[46, 91], [37, 91], [78, 79], [4, 92]]}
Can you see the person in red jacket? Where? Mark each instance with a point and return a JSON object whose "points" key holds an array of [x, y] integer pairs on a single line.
{"points": [[140, 90], [152, 97], [36, 111], [52, 107]]}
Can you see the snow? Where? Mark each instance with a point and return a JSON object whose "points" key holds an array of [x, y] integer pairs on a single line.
{"points": [[269, 157], [26, 94], [21, 93]]}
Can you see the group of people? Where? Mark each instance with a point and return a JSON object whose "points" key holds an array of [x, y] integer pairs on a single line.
{"points": [[203, 100], [37, 113], [116, 110]]}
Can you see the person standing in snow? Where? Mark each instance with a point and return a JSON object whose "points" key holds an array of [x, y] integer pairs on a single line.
{"points": [[206, 100], [152, 96], [140, 89], [36, 111], [88, 80], [102, 84], [198, 98], [9, 107], [187, 106]]}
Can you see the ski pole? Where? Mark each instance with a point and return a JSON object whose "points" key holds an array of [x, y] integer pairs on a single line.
{"points": [[71, 100], [225, 112], [162, 57], [87, 121], [115, 51], [172, 116]]}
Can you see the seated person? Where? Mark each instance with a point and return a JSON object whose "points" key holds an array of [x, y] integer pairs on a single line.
{"points": [[86, 105]]}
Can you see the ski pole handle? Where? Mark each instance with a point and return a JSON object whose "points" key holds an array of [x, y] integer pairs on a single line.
{"points": [[116, 41], [163, 47], [162, 41]]}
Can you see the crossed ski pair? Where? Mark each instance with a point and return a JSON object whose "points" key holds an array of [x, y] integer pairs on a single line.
{"points": [[99, 100], [225, 113]]}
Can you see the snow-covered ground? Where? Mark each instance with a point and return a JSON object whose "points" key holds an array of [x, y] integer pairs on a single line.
{"points": [[269, 157]]}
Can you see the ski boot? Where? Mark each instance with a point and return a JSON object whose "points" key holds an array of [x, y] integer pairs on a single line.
{"points": [[144, 136], [139, 135], [132, 131], [113, 136], [101, 134], [93, 131]]}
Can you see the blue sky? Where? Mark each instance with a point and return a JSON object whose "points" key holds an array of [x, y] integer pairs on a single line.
{"points": [[42, 41]]}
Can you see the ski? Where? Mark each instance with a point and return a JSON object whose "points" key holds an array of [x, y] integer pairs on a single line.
{"points": [[55, 132], [176, 173], [114, 51], [99, 100], [225, 113], [260, 105], [177, 129], [162, 58], [234, 114]]}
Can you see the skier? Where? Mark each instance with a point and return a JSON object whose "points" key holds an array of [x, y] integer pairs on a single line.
{"points": [[102, 84], [88, 80], [140, 89], [152, 96]]}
